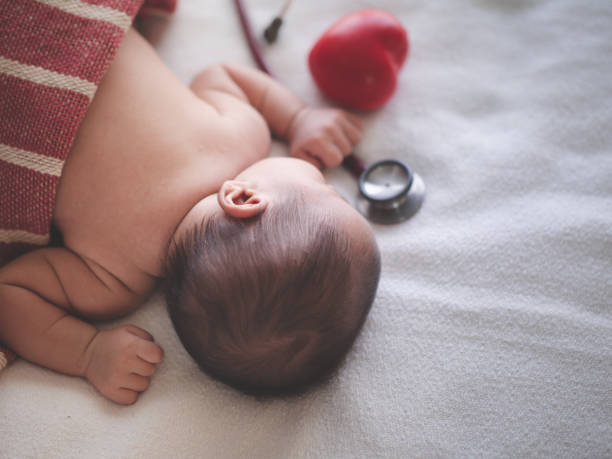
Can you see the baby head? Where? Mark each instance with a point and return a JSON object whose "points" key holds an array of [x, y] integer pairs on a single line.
{"points": [[269, 282]]}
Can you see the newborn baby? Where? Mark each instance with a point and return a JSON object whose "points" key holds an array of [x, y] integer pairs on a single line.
{"points": [[268, 273]]}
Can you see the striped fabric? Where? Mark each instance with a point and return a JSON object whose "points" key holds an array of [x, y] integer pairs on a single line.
{"points": [[53, 55]]}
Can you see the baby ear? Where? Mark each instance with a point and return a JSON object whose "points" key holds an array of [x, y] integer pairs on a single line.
{"points": [[241, 200]]}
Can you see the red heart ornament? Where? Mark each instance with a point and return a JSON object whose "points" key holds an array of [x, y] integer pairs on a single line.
{"points": [[356, 61]]}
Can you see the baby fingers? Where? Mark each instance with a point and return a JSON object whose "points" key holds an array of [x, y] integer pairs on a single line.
{"points": [[136, 383], [342, 141], [327, 152], [134, 330], [150, 352], [142, 368], [355, 120], [352, 127], [124, 396], [332, 155]]}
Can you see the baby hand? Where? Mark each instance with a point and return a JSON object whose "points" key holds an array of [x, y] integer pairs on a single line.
{"points": [[324, 136], [121, 362]]}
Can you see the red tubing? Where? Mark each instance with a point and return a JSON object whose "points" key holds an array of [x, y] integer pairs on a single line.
{"points": [[351, 163], [251, 40]]}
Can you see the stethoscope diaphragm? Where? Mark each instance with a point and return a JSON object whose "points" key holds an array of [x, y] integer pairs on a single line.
{"points": [[389, 192]]}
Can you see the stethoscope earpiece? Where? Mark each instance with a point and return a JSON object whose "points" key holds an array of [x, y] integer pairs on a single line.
{"points": [[271, 32], [389, 192]]}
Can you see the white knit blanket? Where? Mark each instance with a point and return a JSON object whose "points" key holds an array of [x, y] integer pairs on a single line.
{"points": [[491, 335]]}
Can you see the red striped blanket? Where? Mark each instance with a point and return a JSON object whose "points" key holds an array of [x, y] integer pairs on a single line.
{"points": [[53, 55]]}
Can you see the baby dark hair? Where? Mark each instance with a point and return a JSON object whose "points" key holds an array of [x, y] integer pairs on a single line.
{"points": [[272, 304]]}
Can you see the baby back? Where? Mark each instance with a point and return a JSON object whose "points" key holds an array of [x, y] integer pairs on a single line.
{"points": [[147, 151]]}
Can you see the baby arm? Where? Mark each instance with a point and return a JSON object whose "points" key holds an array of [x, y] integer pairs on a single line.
{"points": [[321, 136], [37, 293]]}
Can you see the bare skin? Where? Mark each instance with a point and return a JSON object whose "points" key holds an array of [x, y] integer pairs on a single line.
{"points": [[151, 157]]}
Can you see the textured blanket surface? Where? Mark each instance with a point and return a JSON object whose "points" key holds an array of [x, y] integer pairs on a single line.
{"points": [[491, 335]]}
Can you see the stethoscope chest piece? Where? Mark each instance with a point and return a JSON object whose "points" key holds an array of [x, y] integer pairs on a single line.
{"points": [[389, 192]]}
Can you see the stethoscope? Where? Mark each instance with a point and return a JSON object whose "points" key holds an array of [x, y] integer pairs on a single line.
{"points": [[389, 191]]}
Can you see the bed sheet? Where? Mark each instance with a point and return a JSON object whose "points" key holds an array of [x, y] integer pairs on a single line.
{"points": [[491, 335]]}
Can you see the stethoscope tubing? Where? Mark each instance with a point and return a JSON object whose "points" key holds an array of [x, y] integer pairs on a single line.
{"points": [[251, 40]]}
